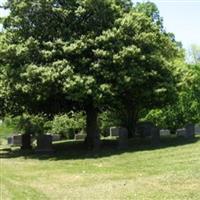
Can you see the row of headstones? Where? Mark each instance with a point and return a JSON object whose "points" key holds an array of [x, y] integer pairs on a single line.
{"points": [[148, 129], [44, 142], [145, 130]]}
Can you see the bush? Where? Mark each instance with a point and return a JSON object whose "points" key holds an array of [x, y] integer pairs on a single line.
{"points": [[107, 119], [10, 121], [32, 124], [68, 125]]}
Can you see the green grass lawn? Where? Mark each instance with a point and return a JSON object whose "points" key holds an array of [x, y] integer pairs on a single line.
{"points": [[171, 171]]}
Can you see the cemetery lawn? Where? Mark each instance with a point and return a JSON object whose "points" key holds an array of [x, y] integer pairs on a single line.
{"points": [[169, 172]]}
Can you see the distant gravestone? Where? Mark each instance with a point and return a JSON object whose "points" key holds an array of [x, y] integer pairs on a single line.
{"points": [[56, 137], [10, 140], [144, 129], [165, 132], [197, 129], [190, 130], [15, 140], [148, 129], [80, 136], [44, 143], [114, 131], [155, 136], [123, 138], [181, 132]]}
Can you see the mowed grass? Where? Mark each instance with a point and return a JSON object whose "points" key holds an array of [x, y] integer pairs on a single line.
{"points": [[170, 171]]}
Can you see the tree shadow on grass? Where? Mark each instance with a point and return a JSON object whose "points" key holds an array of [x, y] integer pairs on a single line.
{"points": [[67, 150]]}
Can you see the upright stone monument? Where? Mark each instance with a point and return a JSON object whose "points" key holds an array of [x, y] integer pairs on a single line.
{"points": [[44, 143], [148, 129], [123, 138], [80, 136], [181, 132], [190, 131], [165, 132], [114, 131], [197, 129], [144, 129], [155, 136]]}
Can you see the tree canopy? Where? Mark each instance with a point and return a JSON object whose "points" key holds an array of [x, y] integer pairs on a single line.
{"points": [[89, 55]]}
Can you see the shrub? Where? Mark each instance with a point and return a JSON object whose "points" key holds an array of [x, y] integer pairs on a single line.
{"points": [[32, 124], [10, 121], [107, 119], [68, 124]]}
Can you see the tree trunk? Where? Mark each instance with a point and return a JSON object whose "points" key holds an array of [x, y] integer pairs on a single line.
{"points": [[131, 122], [26, 142], [93, 137]]}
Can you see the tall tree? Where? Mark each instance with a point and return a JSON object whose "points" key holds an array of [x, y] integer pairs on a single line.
{"points": [[138, 58], [47, 52], [92, 53]]}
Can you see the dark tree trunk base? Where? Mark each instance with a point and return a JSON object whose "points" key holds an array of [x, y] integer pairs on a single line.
{"points": [[92, 140], [26, 142]]}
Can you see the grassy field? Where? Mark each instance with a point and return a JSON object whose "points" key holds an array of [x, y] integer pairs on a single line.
{"points": [[170, 171]]}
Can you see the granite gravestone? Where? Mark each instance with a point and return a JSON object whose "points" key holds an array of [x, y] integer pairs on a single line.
{"points": [[114, 131], [165, 132], [148, 129], [79, 136], [190, 131], [197, 129], [144, 129], [15, 140], [44, 143], [181, 132], [123, 138], [55, 137], [155, 136]]}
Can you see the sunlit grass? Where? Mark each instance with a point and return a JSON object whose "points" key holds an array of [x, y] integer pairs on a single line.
{"points": [[139, 172]]}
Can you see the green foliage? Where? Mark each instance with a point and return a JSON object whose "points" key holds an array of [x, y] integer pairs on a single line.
{"points": [[194, 54], [69, 124], [32, 124], [91, 53], [107, 119]]}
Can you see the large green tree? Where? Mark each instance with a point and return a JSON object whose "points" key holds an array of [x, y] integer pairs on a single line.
{"points": [[138, 56], [85, 54], [48, 53]]}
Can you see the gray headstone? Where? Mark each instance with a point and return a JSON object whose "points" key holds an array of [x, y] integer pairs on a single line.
{"points": [[55, 137], [44, 143], [10, 140], [197, 129], [15, 140], [144, 129], [181, 132], [165, 132], [79, 136], [123, 138], [190, 130], [155, 136], [114, 131], [148, 129]]}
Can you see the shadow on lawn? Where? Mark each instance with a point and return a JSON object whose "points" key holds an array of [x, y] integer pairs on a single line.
{"points": [[76, 150]]}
